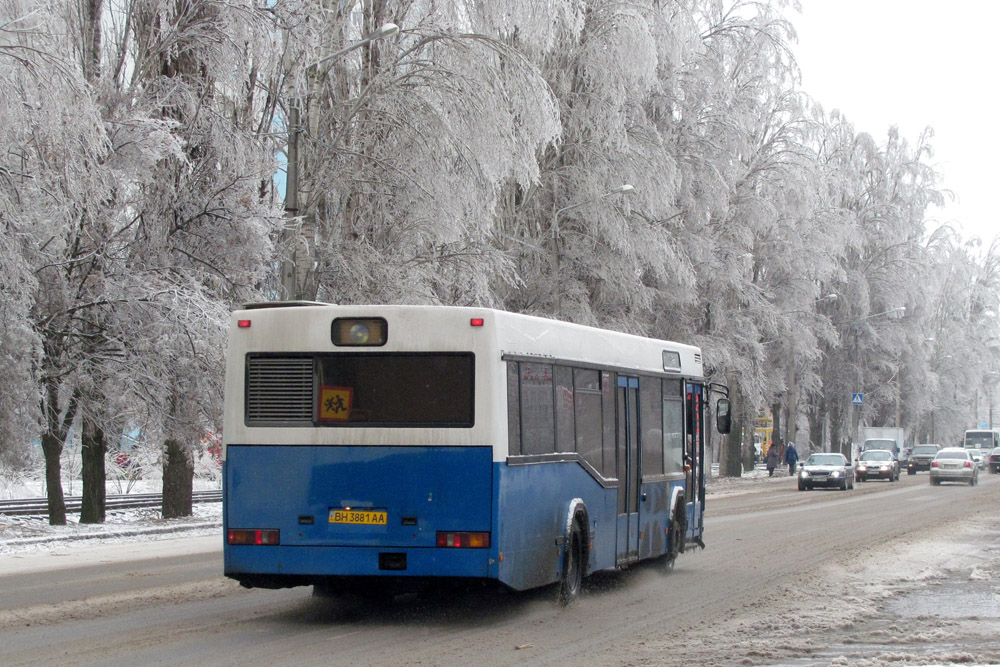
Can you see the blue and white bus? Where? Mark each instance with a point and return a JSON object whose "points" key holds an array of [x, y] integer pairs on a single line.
{"points": [[403, 445]]}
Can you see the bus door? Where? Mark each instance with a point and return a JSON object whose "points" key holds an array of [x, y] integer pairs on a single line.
{"points": [[628, 469], [694, 459]]}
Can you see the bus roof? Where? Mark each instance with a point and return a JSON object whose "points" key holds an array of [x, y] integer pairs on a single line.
{"points": [[516, 336]]}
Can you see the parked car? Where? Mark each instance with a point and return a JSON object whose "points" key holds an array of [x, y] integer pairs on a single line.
{"points": [[826, 470], [994, 461], [978, 457], [877, 464], [921, 457], [954, 464]]}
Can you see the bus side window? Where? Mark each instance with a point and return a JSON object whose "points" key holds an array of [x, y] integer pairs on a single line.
{"points": [[651, 424], [565, 431], [537, 414], [587, 411], [610, 467], [513, 409], [673, 427]]}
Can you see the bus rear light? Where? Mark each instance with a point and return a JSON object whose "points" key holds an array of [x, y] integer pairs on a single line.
{"points": [[243, 324], [477, 322], [463, 540], [260, 538]]}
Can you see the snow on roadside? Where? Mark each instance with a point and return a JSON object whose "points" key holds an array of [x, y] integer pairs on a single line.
{"points": [[26, 535]]}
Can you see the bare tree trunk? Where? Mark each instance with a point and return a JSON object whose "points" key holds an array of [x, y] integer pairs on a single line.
{"points": [[776, 439], [178, 481], [92, 452], [730, 463], [838, 442], [53, 439], [816, 423], [52, 448]]}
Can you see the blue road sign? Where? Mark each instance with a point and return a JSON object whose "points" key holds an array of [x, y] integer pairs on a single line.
{"points": [[858, 399]]}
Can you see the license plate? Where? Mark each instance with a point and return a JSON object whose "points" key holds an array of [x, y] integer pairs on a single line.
{"points": [[359, 517]]}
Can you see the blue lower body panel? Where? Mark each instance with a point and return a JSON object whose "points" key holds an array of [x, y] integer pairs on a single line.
{"points": [[294, 489], [423, 491]]}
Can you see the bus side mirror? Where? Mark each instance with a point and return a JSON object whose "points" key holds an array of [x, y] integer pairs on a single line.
{"points": [[723, 418]]}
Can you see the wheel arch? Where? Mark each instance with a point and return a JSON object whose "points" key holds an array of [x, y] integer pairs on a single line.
{"points": [[576, 512], [676, 497]]}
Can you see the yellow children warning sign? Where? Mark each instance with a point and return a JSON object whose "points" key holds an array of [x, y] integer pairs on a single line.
{"points": [[335, 403]]}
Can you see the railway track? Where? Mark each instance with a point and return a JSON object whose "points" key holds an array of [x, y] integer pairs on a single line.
{"points": [[40, 507]]}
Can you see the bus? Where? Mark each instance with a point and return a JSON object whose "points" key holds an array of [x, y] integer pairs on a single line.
{"points": [[984, 439], [394, 448]]}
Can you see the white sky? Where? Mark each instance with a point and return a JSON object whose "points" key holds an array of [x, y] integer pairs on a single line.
{"points": [[914, 63]]}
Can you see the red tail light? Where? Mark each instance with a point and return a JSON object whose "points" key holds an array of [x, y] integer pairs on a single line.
{"points": [[934, 464], [968, 464], [243, 324], [260, 538], [463, 540]]}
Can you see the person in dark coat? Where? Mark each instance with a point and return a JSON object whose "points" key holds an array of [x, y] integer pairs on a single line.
{"points": [[791, 458], [772, 459]]}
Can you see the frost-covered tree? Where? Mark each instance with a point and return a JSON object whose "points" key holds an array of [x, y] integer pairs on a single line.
{"points": [[199, 221], [55, 186], [144, 155], [406, 146]]}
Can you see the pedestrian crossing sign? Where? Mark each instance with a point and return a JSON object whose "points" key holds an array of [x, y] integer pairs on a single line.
{"points": [[858, 399]]}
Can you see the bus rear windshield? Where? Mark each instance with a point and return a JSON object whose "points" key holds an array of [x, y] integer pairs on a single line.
{"points": [[361, 389], [395, 389]]}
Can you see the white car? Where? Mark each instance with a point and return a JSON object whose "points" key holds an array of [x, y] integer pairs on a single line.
{"points": [[978, 457], [954, 464]]}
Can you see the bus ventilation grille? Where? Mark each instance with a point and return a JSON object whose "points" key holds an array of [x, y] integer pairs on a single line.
{"points": [[280, 390]]}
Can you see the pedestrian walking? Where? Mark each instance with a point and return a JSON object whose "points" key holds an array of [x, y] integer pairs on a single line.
{"points": [[791, 458], [772, 459]]}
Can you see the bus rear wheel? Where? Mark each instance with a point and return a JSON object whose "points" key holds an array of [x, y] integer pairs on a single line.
{"points": [[572, 567]]}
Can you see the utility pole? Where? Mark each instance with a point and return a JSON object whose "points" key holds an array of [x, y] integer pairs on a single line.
{"points": [[298, 260], [287, 278]]}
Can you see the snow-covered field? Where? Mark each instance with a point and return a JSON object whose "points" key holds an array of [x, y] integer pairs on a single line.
{"points": [[28, 535]]}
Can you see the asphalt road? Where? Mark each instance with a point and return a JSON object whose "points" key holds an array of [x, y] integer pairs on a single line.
{"points": [[762, 545]]}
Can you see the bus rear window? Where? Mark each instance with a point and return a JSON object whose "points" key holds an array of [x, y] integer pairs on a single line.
{"points": [[395, 389], [361, 389]]}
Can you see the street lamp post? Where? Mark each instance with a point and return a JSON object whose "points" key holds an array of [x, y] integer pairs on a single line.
{"points": [[623, 189], [290, 280]]}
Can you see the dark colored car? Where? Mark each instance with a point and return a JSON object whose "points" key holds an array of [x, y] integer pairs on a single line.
{"points": [[921, 457], [994, 461], [826, 470], [877, 464]]}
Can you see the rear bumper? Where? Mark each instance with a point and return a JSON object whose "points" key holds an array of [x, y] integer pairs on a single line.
{"points": [[249, 563], [961, 475]]}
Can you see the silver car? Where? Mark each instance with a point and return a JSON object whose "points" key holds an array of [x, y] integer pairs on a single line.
{"points": [[954, 464], [826, 470], [978, 456], [877, 464]]}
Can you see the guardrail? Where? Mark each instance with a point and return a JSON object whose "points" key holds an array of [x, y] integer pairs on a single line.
{"points": [[40, 506]]}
